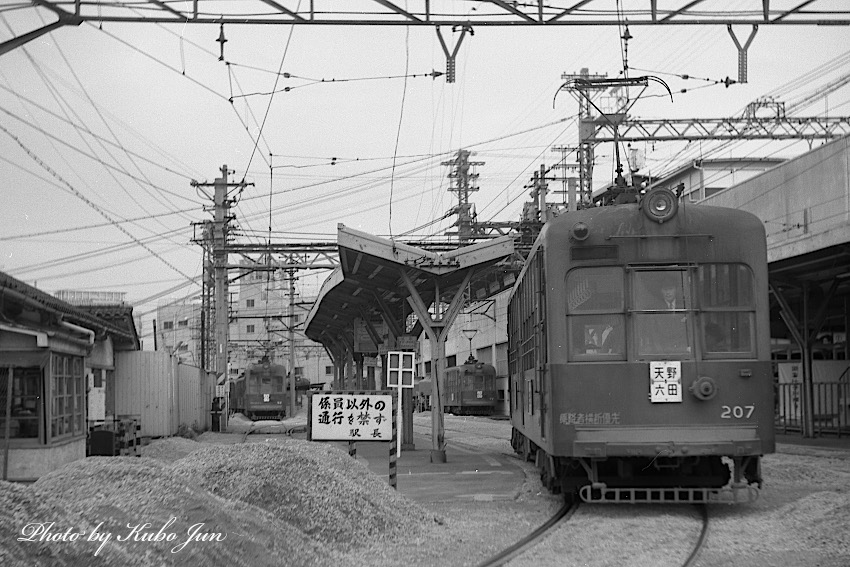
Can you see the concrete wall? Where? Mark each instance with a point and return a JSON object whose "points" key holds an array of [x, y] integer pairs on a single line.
{"points": [[804, 203], [31, 463]]}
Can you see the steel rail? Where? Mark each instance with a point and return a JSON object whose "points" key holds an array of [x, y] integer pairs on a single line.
{"points": [[691, 560], [562, 515]]}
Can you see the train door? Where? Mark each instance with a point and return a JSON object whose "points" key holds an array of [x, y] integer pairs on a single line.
{"points": [[540, 340]]}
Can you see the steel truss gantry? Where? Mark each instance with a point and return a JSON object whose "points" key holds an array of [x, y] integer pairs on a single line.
{"points": [[436, 13], [448, 13], [617, 127]]}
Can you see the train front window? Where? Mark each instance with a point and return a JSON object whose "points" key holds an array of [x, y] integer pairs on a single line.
{"points": [[728, 309], [663, 311], [266, 384], [595, 313]]}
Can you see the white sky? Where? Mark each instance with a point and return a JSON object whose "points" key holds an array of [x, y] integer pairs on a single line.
{"points": [[157, 99]]}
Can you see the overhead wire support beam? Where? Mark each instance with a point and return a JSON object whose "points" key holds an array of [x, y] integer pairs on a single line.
{"points": [[168, 8], [398, 10], [65, 19], [283, 10], [790, 128], [485, 13]]}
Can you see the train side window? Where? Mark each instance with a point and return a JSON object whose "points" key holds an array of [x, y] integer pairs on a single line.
{"points": [[595, 305]]}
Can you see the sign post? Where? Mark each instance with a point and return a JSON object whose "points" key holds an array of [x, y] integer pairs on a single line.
{"points": [[400, 371]]}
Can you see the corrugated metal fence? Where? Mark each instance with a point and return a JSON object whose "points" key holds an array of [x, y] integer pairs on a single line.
{"points": [[154, 388]]}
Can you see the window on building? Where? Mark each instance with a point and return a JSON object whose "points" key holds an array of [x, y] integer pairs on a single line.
{"points": [[167, 325], [249, 329], [296, 318], [299, 371], [25, 407], [249, 303], [329, 370], [183, 323], [67, 396]]}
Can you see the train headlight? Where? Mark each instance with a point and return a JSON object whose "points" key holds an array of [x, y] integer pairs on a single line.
{"points": [[659, 205], [580, 231], [703, 388]]}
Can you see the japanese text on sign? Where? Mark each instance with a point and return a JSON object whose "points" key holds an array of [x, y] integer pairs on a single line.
{"points": [[665, 381], [351, 417]]}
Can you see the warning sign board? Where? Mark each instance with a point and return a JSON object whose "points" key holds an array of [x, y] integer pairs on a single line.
{"points": [[351, 416]]}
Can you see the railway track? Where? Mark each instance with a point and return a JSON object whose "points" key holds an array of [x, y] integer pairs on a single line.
{"points": [[532, 539], [559, 518]]}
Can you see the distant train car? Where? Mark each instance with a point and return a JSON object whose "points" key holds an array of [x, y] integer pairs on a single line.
{"points": [[470, 389], [639, 353], [263, 391]]}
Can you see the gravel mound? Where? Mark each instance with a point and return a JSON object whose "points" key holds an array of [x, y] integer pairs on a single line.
{"points": [[122, 492], [317, 488], [26, 513], [169, 449]]}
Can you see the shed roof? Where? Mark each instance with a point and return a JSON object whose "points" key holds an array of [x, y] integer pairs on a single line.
{"points": [[14, 290], [369, 279]]}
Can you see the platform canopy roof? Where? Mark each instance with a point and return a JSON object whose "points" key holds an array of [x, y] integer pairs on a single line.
{"points": [[369, 281]]}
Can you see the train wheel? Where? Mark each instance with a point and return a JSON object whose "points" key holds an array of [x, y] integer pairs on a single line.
{"points": [[550, 480]]}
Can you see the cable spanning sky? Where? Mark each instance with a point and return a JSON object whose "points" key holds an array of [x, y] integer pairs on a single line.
{"points": [[103, 129]]}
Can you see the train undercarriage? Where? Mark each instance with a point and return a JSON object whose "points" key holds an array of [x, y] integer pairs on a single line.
{"points": [[621, 479]]}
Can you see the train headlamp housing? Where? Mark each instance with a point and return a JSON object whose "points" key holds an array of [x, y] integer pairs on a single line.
{"points": [[580, 231], [704, 388], [659, 205]]}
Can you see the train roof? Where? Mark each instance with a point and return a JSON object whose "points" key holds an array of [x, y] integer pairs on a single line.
{"points": [[476, 363]]}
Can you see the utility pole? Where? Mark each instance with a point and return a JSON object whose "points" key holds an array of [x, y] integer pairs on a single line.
{"points": [[586, 130], [464, 184], [541, 187], [292, 390], [219, 232], [568, 184]]}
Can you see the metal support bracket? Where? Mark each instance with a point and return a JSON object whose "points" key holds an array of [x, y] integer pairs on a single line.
{"points": [[742, 52], [450, 57]]}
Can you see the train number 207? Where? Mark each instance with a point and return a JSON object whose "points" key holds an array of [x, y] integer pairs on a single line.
{"points": [[737, 412]]}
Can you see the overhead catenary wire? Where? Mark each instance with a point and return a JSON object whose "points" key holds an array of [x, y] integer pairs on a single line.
{"points": [[90, 203]]}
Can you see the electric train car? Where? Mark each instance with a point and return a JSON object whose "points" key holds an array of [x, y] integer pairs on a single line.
{"points": [[262, 392], [470, 389], [639, 353]]}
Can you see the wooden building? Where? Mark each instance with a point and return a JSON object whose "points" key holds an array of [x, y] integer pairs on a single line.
{"points": [[51, 354]]}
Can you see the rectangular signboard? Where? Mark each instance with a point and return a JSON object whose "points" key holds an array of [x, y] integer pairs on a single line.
{"points": [[351, 416], [400, 366], [665, 381]]}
